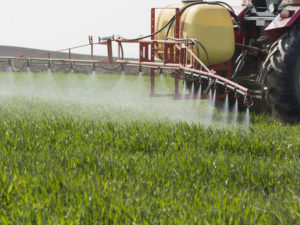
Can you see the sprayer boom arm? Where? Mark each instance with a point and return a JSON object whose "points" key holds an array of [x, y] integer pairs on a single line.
{"points": [[178, 55]]}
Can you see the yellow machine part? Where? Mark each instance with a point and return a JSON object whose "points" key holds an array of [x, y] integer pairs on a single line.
{"points": [[211, 24]]}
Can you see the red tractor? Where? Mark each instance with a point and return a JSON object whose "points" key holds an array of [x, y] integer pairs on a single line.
{"points": [[267, 56], [260, 52]]}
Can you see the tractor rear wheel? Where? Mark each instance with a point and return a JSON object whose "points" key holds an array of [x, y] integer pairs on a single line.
{"points": [[282, 76]]}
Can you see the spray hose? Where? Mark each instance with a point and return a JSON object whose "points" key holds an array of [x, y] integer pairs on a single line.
{"points": [[197, 43], [18, 69], [171, 21], [220, 3]]}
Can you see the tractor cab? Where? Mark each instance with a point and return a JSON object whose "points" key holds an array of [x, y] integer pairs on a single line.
{"points": [[268, 5], [262, 12]]}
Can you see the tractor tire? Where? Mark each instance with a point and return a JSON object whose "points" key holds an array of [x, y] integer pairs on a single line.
{"points": [[282, 76]]}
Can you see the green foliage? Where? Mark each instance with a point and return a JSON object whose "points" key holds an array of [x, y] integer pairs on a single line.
{"points": [[74, 163]]}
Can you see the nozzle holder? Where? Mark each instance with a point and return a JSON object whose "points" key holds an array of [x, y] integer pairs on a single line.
{"points": [[71, 66], [9, 62], [248, 101], [122, 68], [161, 71], [28, 63], [236, 95], [49, 65], [227, 91], [91, 41]]}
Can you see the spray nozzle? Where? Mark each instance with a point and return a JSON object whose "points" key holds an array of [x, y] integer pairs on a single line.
{"points": [[215, 86], [9, 62], [72, 67], [28, 63], [248, 101], [122, 68], [236, 95], [160, 71], [48, 65], [50, 62], [227, 91]]}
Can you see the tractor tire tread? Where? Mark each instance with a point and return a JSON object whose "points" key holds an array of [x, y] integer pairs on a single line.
{"points": [[282, 58]]}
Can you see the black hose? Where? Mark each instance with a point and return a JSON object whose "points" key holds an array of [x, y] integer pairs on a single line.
{"points": [[150, 35], [171, 21], [19, 69], [205, 51], [187, 39], [197, 48], [220, 3], [226, 4], [117, 66], [197, 43]]}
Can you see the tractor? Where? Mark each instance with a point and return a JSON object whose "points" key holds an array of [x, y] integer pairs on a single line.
{"points": [[266, 54], [267, 58]]}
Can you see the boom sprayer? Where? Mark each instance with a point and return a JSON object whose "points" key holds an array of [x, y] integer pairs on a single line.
{"points": [[236, 51]]}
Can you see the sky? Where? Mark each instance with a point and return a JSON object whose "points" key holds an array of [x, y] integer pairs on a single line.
{"points": [[59, 24]]}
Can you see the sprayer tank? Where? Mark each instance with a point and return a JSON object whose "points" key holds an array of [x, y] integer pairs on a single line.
{"points": [[210, 24]]}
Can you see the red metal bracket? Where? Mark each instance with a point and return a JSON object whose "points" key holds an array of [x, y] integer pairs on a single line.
{"points": [[183, 60], [91, 41], [152, 90], [144, 52], [109, 51], [169, 53]]}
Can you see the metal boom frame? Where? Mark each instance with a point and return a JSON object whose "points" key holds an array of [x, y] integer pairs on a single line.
{"points": [[177, 55]]}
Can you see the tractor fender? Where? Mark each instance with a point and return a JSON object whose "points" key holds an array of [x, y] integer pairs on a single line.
{"points": [[280, 25], [239, 11]]}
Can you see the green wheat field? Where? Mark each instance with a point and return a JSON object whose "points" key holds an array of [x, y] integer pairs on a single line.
{"points": [[96, 149]]}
